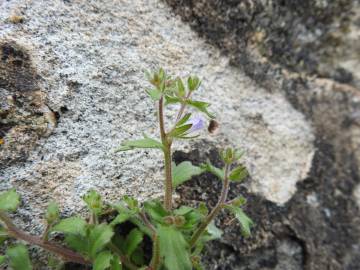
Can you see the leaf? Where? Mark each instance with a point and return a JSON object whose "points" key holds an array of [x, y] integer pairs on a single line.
{"points": [[115, 263], [19, 257], [2, 259], [213, 232], [201, 106], [78, 243], [183, 120], [133, 239], [72, 225], [180, 87], [9, 200], [99, 236], [174, 249], [120, 218], [184, 171], [155, 210], [180, 131], [172, 100], [103, 260], [155, 94], [93, 201], [141, 143], [214, 170], [3, 234], [193, 83], [52, 213], [245, 222], [238, 174]]}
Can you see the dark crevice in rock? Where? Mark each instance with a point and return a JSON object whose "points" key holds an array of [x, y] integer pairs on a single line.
{"points": [[314, 238], [323, 214], [24, 115]]}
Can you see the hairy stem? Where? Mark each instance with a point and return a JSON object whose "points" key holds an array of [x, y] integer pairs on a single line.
{"points": [[155, 262], [220, 204], [67, 254], [167, 157]]}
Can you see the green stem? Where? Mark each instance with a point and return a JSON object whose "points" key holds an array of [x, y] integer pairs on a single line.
{"points": [[167, 157], [215, 211], [155, 262]]}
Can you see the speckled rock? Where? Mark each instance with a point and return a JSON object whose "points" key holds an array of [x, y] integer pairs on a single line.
{"points": [[88, 62], [72, 88]]}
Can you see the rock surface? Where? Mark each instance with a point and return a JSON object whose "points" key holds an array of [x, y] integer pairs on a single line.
{"points": [[285, 46], [72, 88]]}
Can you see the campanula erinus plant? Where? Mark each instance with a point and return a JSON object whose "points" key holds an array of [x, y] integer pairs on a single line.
{"points": [[133, 235]]}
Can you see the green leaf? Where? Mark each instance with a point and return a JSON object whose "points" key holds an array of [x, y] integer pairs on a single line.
{"points": [[133, 239], [184, 171], [201, 106], [103, 260], [115, 263], [240, 201], [193, 83], [19, 257], [99, 236], [52, 213], [3, 234], [78, 243], [180, 87], [93, 201], [213, 232], [180, 131], [72, 225], [214, 170], [141, 143], [120, 218], [183, 120], [238, 174], [9, 200], [174, 249], [245, 222], [155, 94], [155, 210], [172, 100], [2, 259]]}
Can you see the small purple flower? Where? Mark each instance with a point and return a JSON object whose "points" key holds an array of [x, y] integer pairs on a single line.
{"points": [[197, 123]]}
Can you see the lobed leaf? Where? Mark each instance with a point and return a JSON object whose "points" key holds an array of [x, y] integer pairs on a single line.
{"points": [[103, 260], [245, 222], [184, 171], [133, 239], [52, 213], [174, 249], [72, 225], [9, 200], [93, 201], [214, 170], [99, 236], [155, 94], [115, 263], [19, 257], [201, 106], [238, 174]]}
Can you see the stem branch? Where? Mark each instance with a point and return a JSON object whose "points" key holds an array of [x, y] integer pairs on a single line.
{"points": [[220, 204], [67, 254]]}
